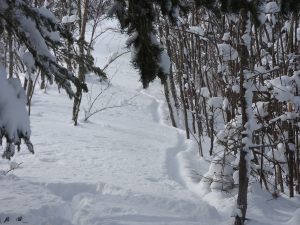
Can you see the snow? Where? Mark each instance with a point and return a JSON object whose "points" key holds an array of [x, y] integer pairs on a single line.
{"points": [[46, 13], [225, 104], [226, 36], [295, 218], [282, 88], [215, 102], [27, 25], [260, 109], [164, 60], [126, 166], [165, 63], [236, 88], [29, 63], [227, 52], [14, 121], [204, 92], [197, 30], [272, 7], [69, 19], [55, 36], [114, 169]]}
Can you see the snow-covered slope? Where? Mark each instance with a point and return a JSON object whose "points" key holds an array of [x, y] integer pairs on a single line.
{"points": [[124, 166], [114, 169]]}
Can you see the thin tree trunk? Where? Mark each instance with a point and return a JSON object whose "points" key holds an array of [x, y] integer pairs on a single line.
{"points": [[243, 170], [290, 154], [167, 95], [81, 69], [280, 181], [181, 87], [186, 122], [29, 91], [11, 54]]}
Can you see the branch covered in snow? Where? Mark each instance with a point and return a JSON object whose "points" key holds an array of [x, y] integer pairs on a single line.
{"points": [[41, 33], [14, 120]]}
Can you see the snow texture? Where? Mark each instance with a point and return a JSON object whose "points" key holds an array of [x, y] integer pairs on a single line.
{"points": [[197, 30], [204, 92], [126, 166], [271, 7], [69, 19], [29, 63], [165, 62], [227, 52], [14, 120]]}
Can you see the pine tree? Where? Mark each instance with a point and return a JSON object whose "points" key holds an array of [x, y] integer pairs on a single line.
{"points": [[139, 17], [39, 31], [37, 28]]}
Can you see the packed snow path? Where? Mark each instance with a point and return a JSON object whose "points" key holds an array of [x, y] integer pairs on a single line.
{"points": [[118, 168]]}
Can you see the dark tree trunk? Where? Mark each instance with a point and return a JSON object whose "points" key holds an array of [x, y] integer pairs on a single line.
{"points": [[167, 95], [243, 171], [81, 70], [290, 154], [11, 54]]}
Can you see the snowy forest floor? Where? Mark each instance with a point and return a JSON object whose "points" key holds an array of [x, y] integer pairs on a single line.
{"points": [[125, 166]]}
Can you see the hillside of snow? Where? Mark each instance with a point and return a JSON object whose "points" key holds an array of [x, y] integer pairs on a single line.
{"points": [[125, 166]]}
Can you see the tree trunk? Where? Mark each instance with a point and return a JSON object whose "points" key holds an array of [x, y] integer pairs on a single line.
{"points": [[168, 100], [243, 170], [290, 153], [81, 69], [186, 121], [11, 54]]}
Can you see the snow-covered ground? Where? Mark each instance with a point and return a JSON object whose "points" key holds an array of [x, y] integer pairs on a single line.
{"points": [[125, 166]]}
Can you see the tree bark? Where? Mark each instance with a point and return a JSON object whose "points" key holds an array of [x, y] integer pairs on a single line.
{"points": [[81, 69], [11, 54], [243, 170], [168, 100]]}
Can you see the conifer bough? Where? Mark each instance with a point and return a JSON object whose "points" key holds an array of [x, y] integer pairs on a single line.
{"points": [[45, 40]]}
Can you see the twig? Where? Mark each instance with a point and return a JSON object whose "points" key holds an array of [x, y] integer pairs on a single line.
{"points": [[90, 114], [114, 59], [6, 172]]}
